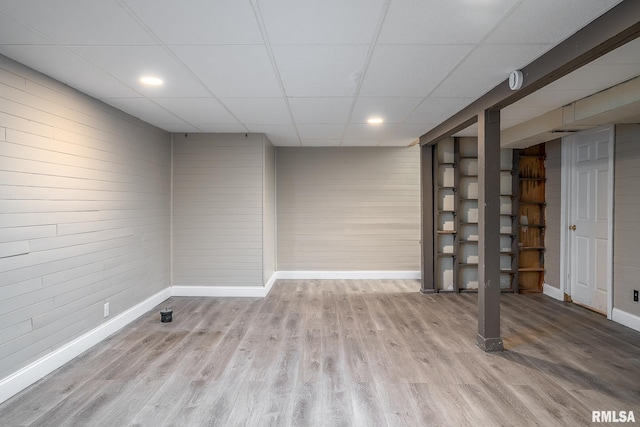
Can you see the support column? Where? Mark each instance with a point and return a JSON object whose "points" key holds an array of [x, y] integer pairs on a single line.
{"points": [[488, 338], [426, 220]]}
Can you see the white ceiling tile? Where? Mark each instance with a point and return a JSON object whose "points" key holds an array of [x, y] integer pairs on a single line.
{"points": [[552, 98], [320, 21], [542, 21], [408, 131], [220, 127], [515, 112], [507, 123], [179, 127], [199, 21], [320, 131], [367, 131], [391, 110], [438, 109], [13, 32], [471, 131], [79, 22], [320, 142], [429, 22], [144, 109], [626, 54], [277, 134], [259, 110], [64, 66], [197, 110], [320, 110], [232, 71], [398, 142], [486, 67], [129, 63], [597, 77], [360, 142], [410, 71], [320, 71]]}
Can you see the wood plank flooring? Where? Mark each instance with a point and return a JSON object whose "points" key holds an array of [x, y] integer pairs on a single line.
{"points": [[343, 353]]}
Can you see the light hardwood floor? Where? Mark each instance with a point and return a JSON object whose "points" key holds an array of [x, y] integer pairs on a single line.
{"points": [[343, 353]]}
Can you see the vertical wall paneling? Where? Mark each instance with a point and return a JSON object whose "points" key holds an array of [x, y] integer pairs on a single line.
{"points": [[348, 209], [269, 210], [626, 240], [218, 210], [84, 214], [552, 190]]}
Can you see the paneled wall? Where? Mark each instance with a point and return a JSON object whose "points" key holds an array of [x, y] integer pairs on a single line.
{"points": [[348, 209], [553, 190], [269, 211], [84, 213], [219, 192], [626, 233]]}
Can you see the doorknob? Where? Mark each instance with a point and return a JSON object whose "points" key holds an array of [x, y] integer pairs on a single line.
{"points": [[572, 227]]}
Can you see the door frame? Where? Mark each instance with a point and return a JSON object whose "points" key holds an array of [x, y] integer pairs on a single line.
{"points": [[565, 240]]}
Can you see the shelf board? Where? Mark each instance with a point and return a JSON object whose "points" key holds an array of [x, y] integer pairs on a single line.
{"points": [[452, 164], [465, 199], [532, 203], [532, 248], [532, 179], [447, 232], [446, 255], [468, 176], [466, 242], [531, 269], [468, 223], [533, 225], [468, 264], [446, 187]]}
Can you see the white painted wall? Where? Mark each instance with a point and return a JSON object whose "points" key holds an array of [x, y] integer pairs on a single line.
{"points": [[626, 229], [219, 192], [269, 211], [348, 209], [84, 214]]}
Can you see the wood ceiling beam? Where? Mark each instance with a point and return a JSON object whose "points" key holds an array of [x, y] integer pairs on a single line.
{"points": [[616, 27]]}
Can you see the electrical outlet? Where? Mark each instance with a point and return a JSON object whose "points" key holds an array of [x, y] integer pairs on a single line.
{"points": [[635, 295], [106, 309]]}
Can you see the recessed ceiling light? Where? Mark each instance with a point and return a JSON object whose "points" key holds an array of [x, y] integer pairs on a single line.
{"points": [[375, 120], [151, 81]]}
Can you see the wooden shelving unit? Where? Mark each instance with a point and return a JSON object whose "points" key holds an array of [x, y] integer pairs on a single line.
{"points": [[531, 218]]}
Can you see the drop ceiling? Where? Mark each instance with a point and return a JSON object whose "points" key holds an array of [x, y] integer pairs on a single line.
{"points": [[306, 73]]}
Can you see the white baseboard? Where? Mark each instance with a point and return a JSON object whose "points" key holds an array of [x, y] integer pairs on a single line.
{"points": [[270, 283], [33, 372], [220, 291], [398, 275], [552, 291], [627, 319]]}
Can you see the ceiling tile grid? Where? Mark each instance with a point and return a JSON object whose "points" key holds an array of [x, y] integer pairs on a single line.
{"points": [[305, 73]]}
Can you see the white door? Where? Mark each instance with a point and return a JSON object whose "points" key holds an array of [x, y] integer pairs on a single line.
{"points": [[589, 219]]}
